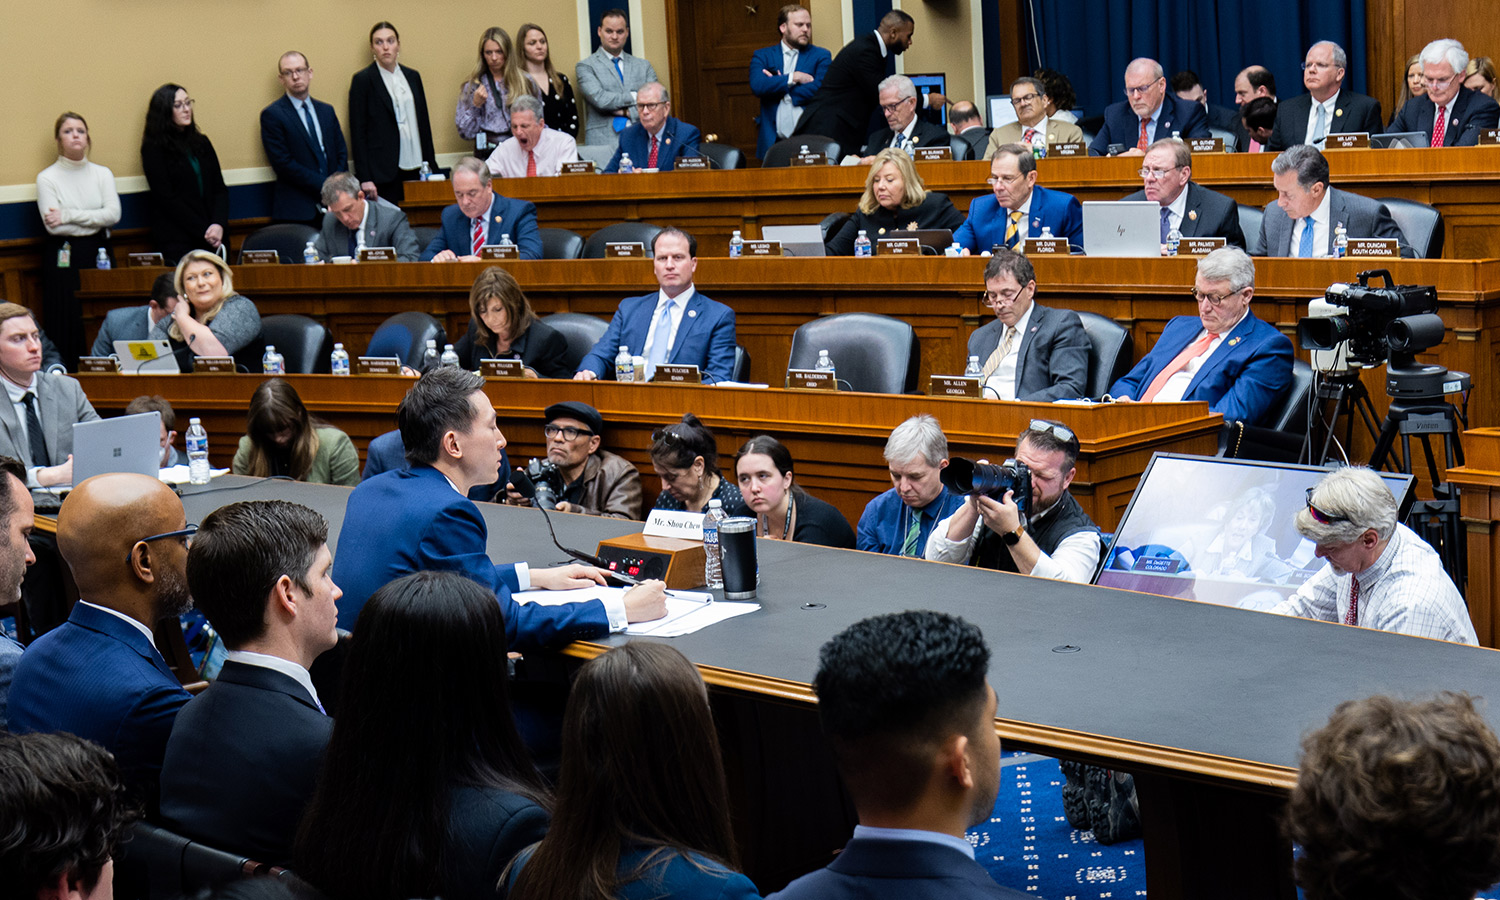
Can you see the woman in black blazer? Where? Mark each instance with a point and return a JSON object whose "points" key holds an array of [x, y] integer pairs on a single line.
{"points": [[386, 105], [502, 325], [894, 201], [189, 203]]}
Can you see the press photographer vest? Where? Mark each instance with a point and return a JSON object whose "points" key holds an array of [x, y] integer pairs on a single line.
{"points": [[1064, 520]]}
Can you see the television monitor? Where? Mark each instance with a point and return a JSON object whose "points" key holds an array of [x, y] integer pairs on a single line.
{"points": [[1220, 530], [927, 84], [1001, 111]]}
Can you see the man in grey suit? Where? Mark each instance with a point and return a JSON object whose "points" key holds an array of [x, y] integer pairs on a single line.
{"points": [[1307, 212], [133, 323], [353, 222], [608, 80], [1190, 208], [36, 426], [1030, 352]]}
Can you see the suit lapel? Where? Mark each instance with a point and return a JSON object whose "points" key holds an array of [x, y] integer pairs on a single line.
{"points": [[103, 623], [690, 317], [265, 679], [380, 89], [50, 406], [1038, 316], [12, 424], [497, 221], [1228, 347], [638, 322]]}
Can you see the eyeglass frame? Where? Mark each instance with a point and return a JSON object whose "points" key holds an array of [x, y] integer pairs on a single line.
{"points": [[984, 296], [1029, 98], [184, 104], [1141, 91], [1147, 174], [549, 430], [1213, 301], [652, 104], [187, 533], [662, 435], [1319, 516], [895, 107]]}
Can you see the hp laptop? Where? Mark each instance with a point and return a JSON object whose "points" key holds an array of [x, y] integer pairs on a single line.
{"points": [[1122, 228]]}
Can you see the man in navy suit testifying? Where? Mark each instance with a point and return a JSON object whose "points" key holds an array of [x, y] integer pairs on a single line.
{"points": [[481, 217], [303, 143]]}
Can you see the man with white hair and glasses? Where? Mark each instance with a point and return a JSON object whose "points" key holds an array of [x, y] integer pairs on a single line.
{"points": [[1449, 114], [1380, 574], [900, 520]]}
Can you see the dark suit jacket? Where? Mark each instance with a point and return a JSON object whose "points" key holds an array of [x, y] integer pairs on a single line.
{"points": [[986, 224], [410, 521], [923, 134], [1123, 126], [242, 763], [678, 138], [1362, 218], [897, 870], [934, 212], [1469, 113], [99, 678], [978, 139], [705, 337], [771, 88], [1352, 112], [1053, 362], [386, 453], [179, 211], [516, 218], [385, 226], [541, 348], [487, 827], [842, 107], [291, 150], [374, 140], [1244, 379], [1208, 214]]}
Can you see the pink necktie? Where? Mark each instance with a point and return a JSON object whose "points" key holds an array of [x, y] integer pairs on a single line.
{"points": [[530, 163], [1189, 353], [1352, 616], [1438, 126], [478, 234]]}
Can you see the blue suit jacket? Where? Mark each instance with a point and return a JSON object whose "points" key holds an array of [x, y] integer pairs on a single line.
{"points": [[704, 339], [678, 138], [410, 521], [387, 453], [516, 218], [897, 870], [1123, 126], [1244, 378], [290, 149], [99, 678], [985, 226], [771, 88]]}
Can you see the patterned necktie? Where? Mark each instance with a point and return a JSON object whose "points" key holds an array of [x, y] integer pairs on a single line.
{"points": [[1029, 137], [1013, 228], [1002, 351], [530, 163], [1305, 247], [1320, 126], [1189, 353], [620, 121], [661, 340], [478, 234], [651, 157], [312, 132], [1439, 125], [1142, 142], [909, 546], [1352, 616], [1166, 223], [34, 435]]}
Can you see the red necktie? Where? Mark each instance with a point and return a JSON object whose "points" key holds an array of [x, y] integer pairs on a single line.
{"points": [[1352, 616], [478, 234], [1142, 142], [1030, 137], [1438, 125], [530, 164], [651, 158], [1189, 353]]}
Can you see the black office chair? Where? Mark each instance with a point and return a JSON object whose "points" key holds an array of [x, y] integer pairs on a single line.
{"points": [[1250, 217], [153, 863], [581, 332], [405, 336], [288, 240], [305, 343], [741, 370], [560, 243], [722, 156], [644, 232], [1421, 224], [426, 234], [1280, 439], [962, 149], [1109, 352], [780, 154], [832, 223], [1090, 128], [872, 353], [1231, 140]]}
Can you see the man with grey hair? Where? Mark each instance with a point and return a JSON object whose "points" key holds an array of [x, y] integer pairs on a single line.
{"points": [[353, 223], [1187, 207], [1148, 113], [533, 149], [1028, 96], [1326, 108], [1303, 219], [1449, 114], [904, 129], [482, 217], [1224, 355], [1379, 574], [899, 520], [658, 139]]}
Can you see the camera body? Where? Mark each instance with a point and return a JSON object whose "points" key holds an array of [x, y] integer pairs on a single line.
{"points": [[548, 482], [964, 476], [1378, 324]]}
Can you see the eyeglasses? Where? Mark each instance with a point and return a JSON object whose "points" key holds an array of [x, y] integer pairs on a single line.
{"points": [[1024, 99], [186, 534], [1318, 66], [1138, 91], [295, 73], [1438, 83], [567, 431], [1319, 516], [663, 436], [183, 104], [896, 107], [1003, 179], [1155, 174], [651, 106], [1061, 432], [997, 299], [1214, 299]]}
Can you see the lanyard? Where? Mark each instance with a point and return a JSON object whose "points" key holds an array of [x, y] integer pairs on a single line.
{"points": [[786, 529]]}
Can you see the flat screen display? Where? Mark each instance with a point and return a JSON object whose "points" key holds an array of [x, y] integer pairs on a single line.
{"points": [[927, 84]]}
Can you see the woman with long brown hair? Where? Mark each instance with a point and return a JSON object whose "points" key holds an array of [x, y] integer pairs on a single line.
{"points": [[503, 325], [558, 106], [282, 439]]}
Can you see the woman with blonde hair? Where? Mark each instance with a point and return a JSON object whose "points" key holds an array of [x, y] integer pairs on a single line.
{"points": [[483, 114], [894, 201], [207, 318], [282, 439], [1480, 76]]}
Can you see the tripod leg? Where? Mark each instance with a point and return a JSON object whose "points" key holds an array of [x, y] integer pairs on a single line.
{"points": [[1388, 431]]}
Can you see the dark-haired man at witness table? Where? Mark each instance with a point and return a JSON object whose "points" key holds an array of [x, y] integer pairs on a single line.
{"points": [[1326, 108], [1449, 114]]}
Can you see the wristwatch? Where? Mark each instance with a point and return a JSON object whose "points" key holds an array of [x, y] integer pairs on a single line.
{"points": [[1013, 538]]}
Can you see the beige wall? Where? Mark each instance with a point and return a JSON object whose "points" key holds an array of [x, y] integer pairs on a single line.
{"points": [[941, 43]]}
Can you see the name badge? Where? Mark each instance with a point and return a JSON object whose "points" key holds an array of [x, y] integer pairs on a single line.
{"points": [[1199, 246], [683, 163], [677, 523], [144, 260], [1362, 247], [955, 386], [1067, 148], [377, 254], [934, 154], [1033, 246], [1206, 145], [203, 364], [1358, 140], [499, 251], [377, 365], [259, 257], [761, 248], [676, 375], [1489, 136], [578, 167], [502, 368], [811, 380], [810, 159], [104, 365], [898, 246]]}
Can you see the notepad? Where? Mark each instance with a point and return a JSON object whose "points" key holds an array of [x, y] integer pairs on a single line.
{"points": [[687, 611]]}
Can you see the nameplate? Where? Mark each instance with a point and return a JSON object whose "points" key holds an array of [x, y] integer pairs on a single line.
{"points": [[1358, 140], [578, 167], [377, 365], [104, 365], [259, 257], [955, 386], [377, 254], [1044, 245], [683, 163], [1199, 246], [502, 368], [934, 154], [203, 364], [499, 251], [676, 523], [666, 374], [1489, 136], [1363, 247], [1206, 145], [1067, 148], [624, 250], [898, 246], [143, 260], [761, 248], [809, 159], [811, 380]]}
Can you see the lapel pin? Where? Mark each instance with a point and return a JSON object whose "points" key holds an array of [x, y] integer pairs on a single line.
{"points": [[499, 219], [913, 226], [692, 314], [1337, 113], [1034, 328], [1036, 223], [1233, 341], [1192, 215], [881, 231], [1454, 122], [667, 141]]}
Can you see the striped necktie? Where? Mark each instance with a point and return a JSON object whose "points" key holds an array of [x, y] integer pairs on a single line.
{"points": [[478, 234], [913, 532]]}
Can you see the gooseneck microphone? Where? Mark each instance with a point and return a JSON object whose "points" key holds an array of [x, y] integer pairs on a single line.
{"points": [[523, 485]]}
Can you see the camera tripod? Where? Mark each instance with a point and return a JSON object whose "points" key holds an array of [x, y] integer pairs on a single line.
{"points": [[1349, 396]]}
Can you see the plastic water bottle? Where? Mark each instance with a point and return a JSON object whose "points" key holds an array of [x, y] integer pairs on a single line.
{"points": [[103, 260], [1340, 241], [973, 370], [425, 172], [862, 244], [624, 366], [339, 361], [626, 166], [954, 249], [450, 356], [272, 363], [1046, 232], [310, 253], [65, 255], [1174, 238], [736, 246], [824, 364], [1039, 150], [430, 355], [1177, 136], [505, 240], [803, 151], [713, 566], [197, 451]]}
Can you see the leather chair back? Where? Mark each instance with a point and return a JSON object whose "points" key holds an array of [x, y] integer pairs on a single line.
{"points": [[426, 234], [870, 352], [780, 154], [405, 335], [288, 240], [722, 156], [305, 343], [1231, 140], [1291, 415], [1250, 217], [644, 232], [560, 243], [741, 370], [1421, 224], [153, 863], [581, 331], [1109, 352]]}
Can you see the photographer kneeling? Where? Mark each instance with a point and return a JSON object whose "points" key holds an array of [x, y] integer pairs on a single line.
{"points": [[1054, 538], [577, 474]]}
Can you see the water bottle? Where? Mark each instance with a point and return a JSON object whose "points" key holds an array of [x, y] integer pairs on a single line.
{"points": [[450, 356], [973, 370], [339, 361], [310, 253], [954, 249], [65, 255], [803, 152], [624, 366], [505, 241], [1046, 232], [824, 364], [425, 172], [430, 355], [1174, 238], [713, 568], [1340, 241], [273, 363], [1177, 136], [862, 244], [1039, 150], [197, 451], [103, 261], [626, 166], [736, 246]]}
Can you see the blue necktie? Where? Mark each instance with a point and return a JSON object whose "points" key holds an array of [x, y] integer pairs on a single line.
{"points": [[1305, 249], [1166, 223], [661, 341], [620, 121], [312, 132]]}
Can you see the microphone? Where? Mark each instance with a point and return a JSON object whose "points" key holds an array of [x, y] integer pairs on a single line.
{"points": [[523, 485]]}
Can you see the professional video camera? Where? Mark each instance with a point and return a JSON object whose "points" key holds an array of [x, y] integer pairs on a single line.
{"points": [[548, 481], [963, 476]]}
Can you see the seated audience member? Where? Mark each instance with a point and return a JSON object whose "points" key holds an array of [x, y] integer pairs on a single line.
{"points": [[1258, 118], [303, 142], [1302, 221], [386, 453], [785, 75], [419, 518], [187, 199], [134, 323], [63, 812], [157, 403], [482, 217], [243, 756], [1017, 207], [425, 789], [1030, 352], [353, 223], [1147, 114], [898, 521], [552, 86], [686, 459], [1398, 798], [904, 701], [107, 519], [595, 481], [1327, 108], [609, 82], [1224, 355], [1054, 539], [1449, 113], [1061, 101], [674, 326], [1379, 574], [1187, 86], [483, 112], [1190, 208], [1413, 84], [1479, 76], [38, 420], [658, 139], [782, 509], [624, 827], [965, 121], [209, 318], [282, 439], [894, 201], [904, 130], [1033, 126], [532, 149], [16, 519], [502, 325]]}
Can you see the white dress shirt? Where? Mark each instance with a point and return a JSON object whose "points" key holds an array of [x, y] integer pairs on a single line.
{"points": [[286, 667], [670, 306], [1177, 210], [1321, 225], [552, 149], [1003, 379], [1177, 386], [1041, 131], [1329, 110], [410, 156], [787, 112], [1075, 558], [871, 833]]}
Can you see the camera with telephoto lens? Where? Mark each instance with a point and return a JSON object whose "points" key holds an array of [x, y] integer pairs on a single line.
{"points": [[964, 476], [1391, 322], [547, 481]]}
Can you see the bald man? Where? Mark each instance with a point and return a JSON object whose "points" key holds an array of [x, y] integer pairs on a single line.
{"points": [[99, 675]]}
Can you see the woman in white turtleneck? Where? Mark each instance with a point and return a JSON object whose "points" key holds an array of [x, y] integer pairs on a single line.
{"points": [[78, 204]]}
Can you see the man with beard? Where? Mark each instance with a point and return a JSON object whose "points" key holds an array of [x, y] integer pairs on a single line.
{"points": [[785, 76], [16, 512]]}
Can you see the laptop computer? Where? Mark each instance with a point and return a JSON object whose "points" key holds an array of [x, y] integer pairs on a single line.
{"points": [[1122, 228], [150, 357], [121, 444], [1401, 139], [797, 240]]}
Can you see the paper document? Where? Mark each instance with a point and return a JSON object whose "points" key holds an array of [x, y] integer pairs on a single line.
{"points": [[178, 474], [687, 611]]}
